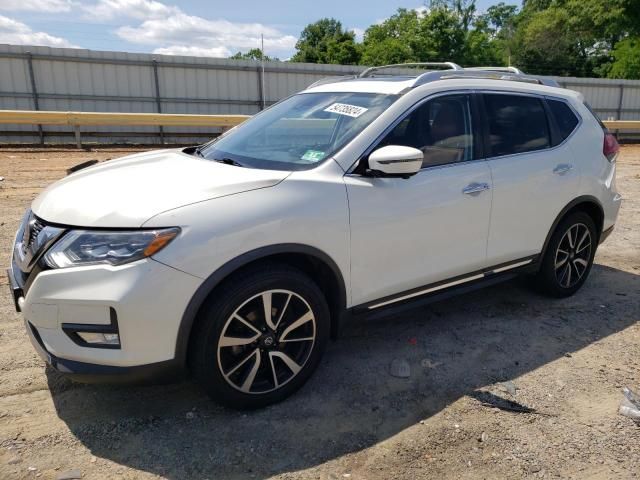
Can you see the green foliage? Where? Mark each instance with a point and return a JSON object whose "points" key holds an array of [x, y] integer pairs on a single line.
{"points": [[544, 44], [447, 32], [626, 56], [570, 37], [325, 41], [500, 17], [253, 54], [550, 37]]}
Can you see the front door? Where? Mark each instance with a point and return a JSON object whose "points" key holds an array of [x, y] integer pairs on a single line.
{"points": [[407, 233]]}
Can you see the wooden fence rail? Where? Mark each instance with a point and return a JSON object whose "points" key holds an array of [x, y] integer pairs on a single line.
{"points": [[79, 119]]}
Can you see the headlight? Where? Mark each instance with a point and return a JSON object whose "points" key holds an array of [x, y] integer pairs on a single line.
{"points": [[85, 247]]}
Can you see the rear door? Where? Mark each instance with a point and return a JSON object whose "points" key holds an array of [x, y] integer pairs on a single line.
{"points": [[533, 170]]}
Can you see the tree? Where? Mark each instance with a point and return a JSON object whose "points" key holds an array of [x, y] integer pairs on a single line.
{"points": [[549, 37], [448, 31], [572, 37], [500, 17], [544, 44], [499, 22], [253, 54], [482, 48], [396, 40], [325, 41], [626, 56]]}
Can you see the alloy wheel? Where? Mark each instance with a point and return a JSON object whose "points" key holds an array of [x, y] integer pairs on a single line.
{"points": [[573, 255], [266, 341]]}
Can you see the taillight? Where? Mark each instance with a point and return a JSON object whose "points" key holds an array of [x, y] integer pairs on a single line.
{"points": [[610, 147]]}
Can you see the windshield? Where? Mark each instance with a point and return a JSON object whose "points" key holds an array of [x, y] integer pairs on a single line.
{"points": [[299, 132]]}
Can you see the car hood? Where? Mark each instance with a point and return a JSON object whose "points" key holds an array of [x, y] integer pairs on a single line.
{"points": [[128, 191]]}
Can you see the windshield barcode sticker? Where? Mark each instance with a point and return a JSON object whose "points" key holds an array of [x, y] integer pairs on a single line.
{"points": [[313, 156], [345, 109]]}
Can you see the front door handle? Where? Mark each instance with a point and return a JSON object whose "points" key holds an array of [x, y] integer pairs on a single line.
{"points": [[562, 168], [475, 188]]}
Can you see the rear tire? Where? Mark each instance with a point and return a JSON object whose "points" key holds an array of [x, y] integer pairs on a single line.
{"points": [[260, 337], [569, 256]]}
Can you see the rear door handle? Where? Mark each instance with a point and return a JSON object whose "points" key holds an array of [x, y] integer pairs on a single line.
{"points": [[475, 188], [562, 168]]}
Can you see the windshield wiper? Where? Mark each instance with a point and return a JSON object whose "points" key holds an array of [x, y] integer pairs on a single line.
{"points": [[228, 161], [198, 152]]}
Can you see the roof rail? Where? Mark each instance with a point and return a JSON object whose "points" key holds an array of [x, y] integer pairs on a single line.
{"points": [[483, 75], [449, 65], [332, 79], [497, 69], [453, 71]]}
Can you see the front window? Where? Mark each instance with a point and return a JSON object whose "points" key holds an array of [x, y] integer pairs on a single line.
{"points": [[299, 132], [440, 128]]}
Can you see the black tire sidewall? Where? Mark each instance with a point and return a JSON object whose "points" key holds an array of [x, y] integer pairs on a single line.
{"points": [[547, 279], [225, 300]]}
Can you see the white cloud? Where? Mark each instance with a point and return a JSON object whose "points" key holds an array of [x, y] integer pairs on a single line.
{"points": [[18, 33], [181, 32], [192, 51], [138, 9], [49, 6], [359, 33], [422, 11], [164, 27]]}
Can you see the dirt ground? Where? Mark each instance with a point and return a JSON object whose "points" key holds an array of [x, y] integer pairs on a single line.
{"points": [[568, 359]]}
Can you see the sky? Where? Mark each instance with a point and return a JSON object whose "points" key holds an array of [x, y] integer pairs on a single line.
{"points": [[196, 27]]}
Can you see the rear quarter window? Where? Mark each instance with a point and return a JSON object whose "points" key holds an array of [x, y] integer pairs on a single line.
{"points": [[595, 115], [566, 121]]}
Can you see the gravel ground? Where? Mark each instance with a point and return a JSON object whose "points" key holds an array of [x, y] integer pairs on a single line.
{"points": [[567, 359]]}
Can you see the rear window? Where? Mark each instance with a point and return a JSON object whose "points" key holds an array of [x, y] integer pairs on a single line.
{"points": [[566, 120], [517, 124]]}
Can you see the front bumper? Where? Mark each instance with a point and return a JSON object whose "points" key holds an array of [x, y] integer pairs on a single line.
{"points": [[95, 373], [148, 297], [16, 290], [605, 234]]}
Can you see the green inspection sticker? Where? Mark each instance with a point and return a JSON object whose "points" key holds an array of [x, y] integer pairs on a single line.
{"points": [[313, 155]]}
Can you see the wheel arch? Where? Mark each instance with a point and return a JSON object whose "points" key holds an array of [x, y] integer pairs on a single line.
{"points": [[314, 262], [586, 203]]}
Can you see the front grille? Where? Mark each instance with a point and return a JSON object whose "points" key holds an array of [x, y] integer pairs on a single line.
{"points": [[36, 227], [33, 239]]}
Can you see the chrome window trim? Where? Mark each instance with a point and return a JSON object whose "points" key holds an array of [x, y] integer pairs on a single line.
{"points": [[471, 91]]}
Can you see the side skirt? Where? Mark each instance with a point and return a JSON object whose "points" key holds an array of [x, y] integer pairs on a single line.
{"points": [[447, 288]]}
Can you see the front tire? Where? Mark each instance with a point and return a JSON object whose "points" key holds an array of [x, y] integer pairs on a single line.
{"points": [[569, 256], [260, 337]]}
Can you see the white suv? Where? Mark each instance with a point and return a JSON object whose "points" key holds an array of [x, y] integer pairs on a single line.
{"points": [[239, 259]]}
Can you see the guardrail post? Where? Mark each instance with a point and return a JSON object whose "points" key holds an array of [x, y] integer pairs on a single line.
{"points": [[76, 129], [260, 71], [34, 93], [619, 112], [158, 99]]}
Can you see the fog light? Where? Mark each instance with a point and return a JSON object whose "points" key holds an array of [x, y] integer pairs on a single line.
{"points": [[95, 338]]}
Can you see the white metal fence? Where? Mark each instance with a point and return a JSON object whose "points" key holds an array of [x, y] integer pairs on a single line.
{"points": [[43, 78]]}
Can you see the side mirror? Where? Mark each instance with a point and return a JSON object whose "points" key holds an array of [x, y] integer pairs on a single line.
{"points": [[395, 161]]}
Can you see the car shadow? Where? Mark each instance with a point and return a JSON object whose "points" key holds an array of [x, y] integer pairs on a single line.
{"points": [[454, 347]]}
